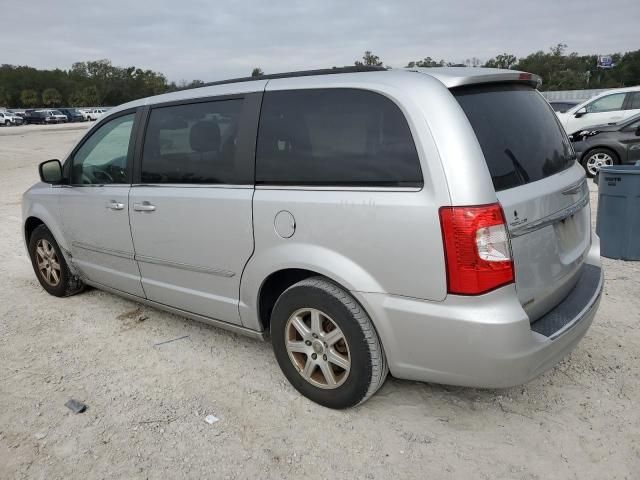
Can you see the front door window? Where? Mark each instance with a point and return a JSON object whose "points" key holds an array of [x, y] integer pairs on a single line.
{"points": [[102, 159]]}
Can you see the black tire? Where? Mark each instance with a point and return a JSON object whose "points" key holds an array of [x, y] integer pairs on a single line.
{"points": [[67, 284], [596, 151], [368, 369]]}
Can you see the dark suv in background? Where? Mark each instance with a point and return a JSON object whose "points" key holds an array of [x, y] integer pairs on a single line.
{"points": [[72, 114], [37, 117]]}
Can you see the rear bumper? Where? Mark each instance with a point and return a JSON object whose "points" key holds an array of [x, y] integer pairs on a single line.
{"points": [[485, 341]]}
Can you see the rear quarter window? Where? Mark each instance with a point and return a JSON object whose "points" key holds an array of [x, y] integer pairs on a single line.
{"points": [[341, 137], [520, 136]]}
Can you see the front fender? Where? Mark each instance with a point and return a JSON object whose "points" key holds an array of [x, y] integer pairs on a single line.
{"points": [[42, 202], [322, 260]]}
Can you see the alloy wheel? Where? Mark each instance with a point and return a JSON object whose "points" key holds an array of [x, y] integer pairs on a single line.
{"points": [[48, 262], [598, 160], [317, 348]]}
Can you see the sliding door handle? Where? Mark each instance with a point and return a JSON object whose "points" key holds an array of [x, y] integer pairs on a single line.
{"points": [[113, 205], [144, 207]]}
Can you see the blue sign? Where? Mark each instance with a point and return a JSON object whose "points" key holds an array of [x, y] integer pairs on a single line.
{"points": [[605, 61]]}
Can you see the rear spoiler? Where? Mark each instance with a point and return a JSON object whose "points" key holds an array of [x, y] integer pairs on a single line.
{"points": [[453, 77]]}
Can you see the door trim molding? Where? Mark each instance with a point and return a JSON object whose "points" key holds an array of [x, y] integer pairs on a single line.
{"points": [[106, 251], [185, 266], [155, 261]]}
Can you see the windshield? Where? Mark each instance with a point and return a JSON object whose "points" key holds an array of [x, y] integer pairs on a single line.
{"points": [[518, 132]]}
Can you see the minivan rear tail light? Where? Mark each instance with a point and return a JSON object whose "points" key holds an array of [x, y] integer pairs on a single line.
{"points": [[477, 249]]}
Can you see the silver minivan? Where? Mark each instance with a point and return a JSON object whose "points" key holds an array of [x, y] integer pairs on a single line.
{"points": [[428, 222]]}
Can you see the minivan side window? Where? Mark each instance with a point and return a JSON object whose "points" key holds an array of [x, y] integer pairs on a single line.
{"points": [[193, 143], [610, 103], [334, 137], [102, 159]]}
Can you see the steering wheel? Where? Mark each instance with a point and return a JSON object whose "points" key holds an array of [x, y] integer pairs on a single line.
{"points": [[102, 176]]}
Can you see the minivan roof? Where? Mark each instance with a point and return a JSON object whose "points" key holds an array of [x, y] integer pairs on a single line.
{"points": [[450, 77]]}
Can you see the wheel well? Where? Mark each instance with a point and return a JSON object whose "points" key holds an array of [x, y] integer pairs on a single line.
{"points": [[272, 288], [30, 225], [586, 154]]}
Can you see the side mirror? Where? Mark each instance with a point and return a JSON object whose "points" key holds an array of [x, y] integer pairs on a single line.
{"points": [[51, 171], [638, 132], [581, 112]]}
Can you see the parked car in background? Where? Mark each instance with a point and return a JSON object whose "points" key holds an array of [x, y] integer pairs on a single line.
{"points": [[5, 121], [613, 106], [432, 223], [38, 117], [84, 113], [562, 106], [8, 118], [58, 116], [608, 145], [95, 113], [73, 114]]}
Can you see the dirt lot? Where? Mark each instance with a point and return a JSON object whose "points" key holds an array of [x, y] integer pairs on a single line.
{"points": [[147, 403]]}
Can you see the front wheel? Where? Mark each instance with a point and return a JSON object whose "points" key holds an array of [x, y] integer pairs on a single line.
{"points": [[326, 344], [50, 266], [598, 158]]}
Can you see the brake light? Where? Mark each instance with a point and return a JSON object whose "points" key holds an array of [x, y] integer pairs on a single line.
{"points": [[477, 249]]}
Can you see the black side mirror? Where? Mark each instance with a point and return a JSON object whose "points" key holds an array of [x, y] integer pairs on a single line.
{"points": [[581, 112], [638, 132], [51, 172]]}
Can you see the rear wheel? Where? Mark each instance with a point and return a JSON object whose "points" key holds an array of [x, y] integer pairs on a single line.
{"points": [[597, 158], [50, 266], [326, 344]]}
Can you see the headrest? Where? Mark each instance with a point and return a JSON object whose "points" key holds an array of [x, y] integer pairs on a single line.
{"points": [[205, 136]]}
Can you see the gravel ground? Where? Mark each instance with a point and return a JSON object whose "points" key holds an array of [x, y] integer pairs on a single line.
{"points": [[147, 403]]}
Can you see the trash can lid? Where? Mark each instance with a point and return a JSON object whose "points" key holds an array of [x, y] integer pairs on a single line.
{"points": [[621, 169]]}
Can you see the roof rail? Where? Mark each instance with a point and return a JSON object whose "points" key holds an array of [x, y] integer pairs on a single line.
{"points": [[302, 73]]}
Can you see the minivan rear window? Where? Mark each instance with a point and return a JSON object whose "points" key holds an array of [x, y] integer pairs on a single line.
{"points": [[335, 137], [519, 134]]}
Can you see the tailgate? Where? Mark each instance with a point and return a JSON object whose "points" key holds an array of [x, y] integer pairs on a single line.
{"points": [[549, 225], [540, 186]]}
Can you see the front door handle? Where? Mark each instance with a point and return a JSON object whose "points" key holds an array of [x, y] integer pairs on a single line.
{"points": [[144, 207], [113, 205]]}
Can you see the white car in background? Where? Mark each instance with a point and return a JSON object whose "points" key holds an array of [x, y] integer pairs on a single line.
{"points": [[95, 113], [610, 107], [85, 113], [9, 118]]}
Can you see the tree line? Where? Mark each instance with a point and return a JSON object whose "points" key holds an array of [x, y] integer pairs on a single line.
{"points": [[99, 82], [85, 84], [558, 69]]}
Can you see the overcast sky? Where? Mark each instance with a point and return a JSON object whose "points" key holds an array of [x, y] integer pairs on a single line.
{"points": [[212, 40]]}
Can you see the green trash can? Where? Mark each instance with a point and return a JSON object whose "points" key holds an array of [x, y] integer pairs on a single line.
{"points": [[618, 222]]}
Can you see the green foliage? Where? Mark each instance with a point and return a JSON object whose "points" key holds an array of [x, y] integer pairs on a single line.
{"points": [[426, 63], [562, 71], [369, 60], [98, 82], [504, 60], [91, 96], [51, 97], [85, 84], [29, 98], [5, 97]]}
